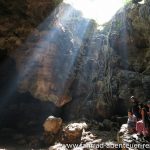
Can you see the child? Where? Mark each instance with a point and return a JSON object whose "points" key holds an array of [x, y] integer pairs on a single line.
{"points": [[131, 122]]}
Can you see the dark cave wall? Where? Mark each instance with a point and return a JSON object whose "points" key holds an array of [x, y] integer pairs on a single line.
{"points": [[130, 40], [19, 18], [20, 112]]}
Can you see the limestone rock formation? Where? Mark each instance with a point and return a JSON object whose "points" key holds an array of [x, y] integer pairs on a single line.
{"points": [[71, 68], [40, 72], [130, 40]]}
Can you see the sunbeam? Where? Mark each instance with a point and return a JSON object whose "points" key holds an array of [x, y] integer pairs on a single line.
{"points": [[45, 42], [43, 51], [40, 47]]}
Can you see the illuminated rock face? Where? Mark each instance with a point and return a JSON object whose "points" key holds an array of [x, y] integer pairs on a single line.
{"points": [[37, 61], [131, 41], [44, 68], [49, 70]]}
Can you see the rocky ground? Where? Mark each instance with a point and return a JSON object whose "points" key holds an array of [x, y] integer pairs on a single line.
{"points": [[58, 133], [134, 141]]}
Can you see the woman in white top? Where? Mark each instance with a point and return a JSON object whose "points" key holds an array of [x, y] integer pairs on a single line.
{"points": [[131, 122]]}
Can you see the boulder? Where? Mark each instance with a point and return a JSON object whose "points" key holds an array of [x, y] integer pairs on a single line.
{"points": [[72, 133], [52, 127], [52, 124]]}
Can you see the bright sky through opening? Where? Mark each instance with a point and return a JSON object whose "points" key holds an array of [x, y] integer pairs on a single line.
{"points": [[99, 10]]}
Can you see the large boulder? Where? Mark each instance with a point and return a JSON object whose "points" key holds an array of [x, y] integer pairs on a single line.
{"points": [[72, 133], [52, 125], [52, 128]]}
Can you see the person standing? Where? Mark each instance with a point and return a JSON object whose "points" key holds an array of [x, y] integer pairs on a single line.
{"points": [[131, 122], [146, 119], [134, 108], [143, 125]]}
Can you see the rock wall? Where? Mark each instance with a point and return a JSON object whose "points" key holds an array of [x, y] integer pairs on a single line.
{"points": [[71, 63], [130, 39], [19, 19], [123, 70]]}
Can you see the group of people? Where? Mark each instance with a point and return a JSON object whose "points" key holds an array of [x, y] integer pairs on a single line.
{"points": [[139, 117]]}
